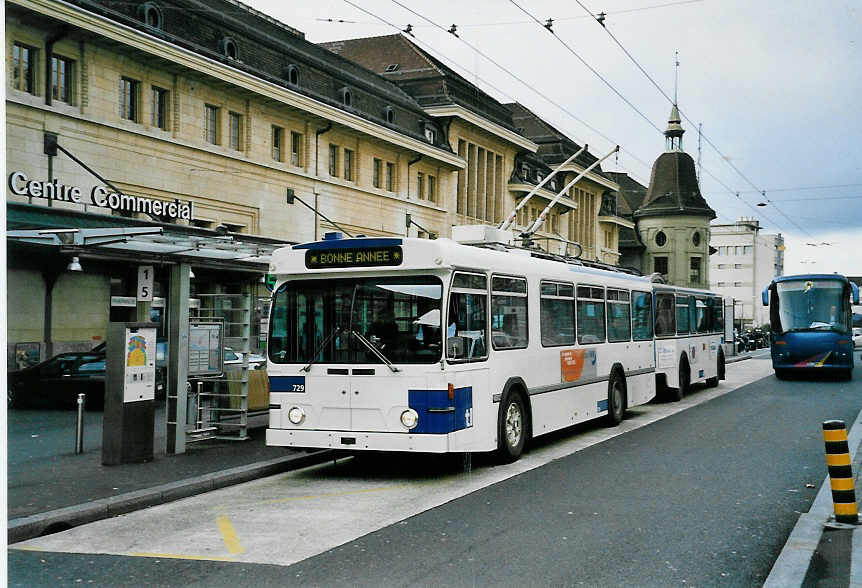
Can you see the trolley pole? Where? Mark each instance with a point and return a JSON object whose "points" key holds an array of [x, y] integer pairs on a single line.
{"points": [[840, 472], [79, 427]]}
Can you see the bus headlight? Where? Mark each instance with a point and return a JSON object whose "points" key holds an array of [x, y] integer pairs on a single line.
{"points": [[409, 418], [296, 415]]}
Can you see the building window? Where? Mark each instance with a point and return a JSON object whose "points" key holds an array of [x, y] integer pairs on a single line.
{"points": [[23, 65], [235, 130], [61, 79], [737, 284], [129, 99], [746, 250], [389, 113], [228, 48], [430, 135], [151, 15], [277, 140], [420, 185], [390, 177], [211, 123], [695, 239], [296, 149], [333, 160], [348, 165], [660, 265], [293, 75], [694, 270], [660, 239], [432, 188], [160, 108], [346, 97], [377, 173]]}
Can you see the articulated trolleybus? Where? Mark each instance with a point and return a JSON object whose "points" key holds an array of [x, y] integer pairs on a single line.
{"points": [[811, 323], [405, 344]]}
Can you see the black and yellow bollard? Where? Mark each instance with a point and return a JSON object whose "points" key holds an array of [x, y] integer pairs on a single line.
{"points": [[840, 472]]}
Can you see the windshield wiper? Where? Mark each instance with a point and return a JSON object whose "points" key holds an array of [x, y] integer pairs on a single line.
{"points": [[374, 350], [313, 359]]}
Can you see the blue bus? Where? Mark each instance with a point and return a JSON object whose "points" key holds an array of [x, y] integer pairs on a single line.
{"points": [[811, 323]]}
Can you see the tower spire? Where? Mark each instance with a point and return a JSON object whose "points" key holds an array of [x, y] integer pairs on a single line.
{"points": [[674, 131]]}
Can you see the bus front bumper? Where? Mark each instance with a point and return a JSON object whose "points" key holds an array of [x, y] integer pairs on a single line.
{"points": [[358, 441]]}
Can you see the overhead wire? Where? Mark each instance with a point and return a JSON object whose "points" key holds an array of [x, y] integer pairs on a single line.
{"points": [[503, 68], [682, 113]]}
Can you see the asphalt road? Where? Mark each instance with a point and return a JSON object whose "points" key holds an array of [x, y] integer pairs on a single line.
{"points": [[707, 496]]}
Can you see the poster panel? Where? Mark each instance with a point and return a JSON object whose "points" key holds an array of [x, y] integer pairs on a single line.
{"points": [[139, 382]]}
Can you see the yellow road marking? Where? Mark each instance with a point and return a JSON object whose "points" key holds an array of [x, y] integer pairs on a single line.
{"points": [[229, 535], [335, 494], [180, 556]]}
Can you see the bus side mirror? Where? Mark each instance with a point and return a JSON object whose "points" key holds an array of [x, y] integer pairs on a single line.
{"points": [[455, 347], [765, 296], [855, 289]]}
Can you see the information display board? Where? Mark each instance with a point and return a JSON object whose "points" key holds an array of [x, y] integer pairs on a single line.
{"points": [[206, 357], [139, 382]]}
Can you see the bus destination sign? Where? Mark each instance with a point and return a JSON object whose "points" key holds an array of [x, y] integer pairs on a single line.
{"points": [[343, 258]]}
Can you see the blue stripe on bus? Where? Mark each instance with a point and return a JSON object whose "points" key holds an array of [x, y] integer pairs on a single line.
{"points": [[602, 406], [438, 414], [287, 383], [349, 244]]}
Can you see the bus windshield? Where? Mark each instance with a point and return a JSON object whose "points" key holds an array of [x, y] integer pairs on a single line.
{"points": [[325, 321], [811, 305]]}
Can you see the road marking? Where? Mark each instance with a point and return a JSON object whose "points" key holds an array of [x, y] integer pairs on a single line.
{"points": [[335, 494], [229, 535], [180, 556]]}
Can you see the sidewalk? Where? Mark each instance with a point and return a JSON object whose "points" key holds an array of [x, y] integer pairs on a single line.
{"points": [[51, 490], [819, 551]]}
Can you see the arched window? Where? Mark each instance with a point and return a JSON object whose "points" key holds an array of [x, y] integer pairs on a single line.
{"points": [[346, 97], [293, 75], [228, 48], [660, 238], [389, 114], [151, 14], [695, 239]]}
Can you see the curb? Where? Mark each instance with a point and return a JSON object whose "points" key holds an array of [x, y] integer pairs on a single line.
{"points": [[60, 519], [791, 567]]}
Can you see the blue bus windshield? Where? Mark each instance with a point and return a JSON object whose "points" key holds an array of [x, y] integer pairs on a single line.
{"points": [[811, 305]]}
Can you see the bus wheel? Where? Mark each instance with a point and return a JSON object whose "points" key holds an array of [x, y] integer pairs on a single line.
{"points": [[780, 374], [676, 394], [719, 371], [512, 428], [616, 399]]}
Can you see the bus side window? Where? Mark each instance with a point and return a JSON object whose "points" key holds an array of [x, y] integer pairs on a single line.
{"points": [[682, 315], [641, 316], [467, 321], [591, 315], [509, 312], [665, 323]]}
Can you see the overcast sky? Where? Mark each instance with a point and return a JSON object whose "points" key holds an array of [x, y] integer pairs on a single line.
{"points": [[776, 85]]}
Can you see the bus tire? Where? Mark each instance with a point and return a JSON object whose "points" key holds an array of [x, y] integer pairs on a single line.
{"points": [[780, 373], [616, 399], [677, 394], [512, 427]]}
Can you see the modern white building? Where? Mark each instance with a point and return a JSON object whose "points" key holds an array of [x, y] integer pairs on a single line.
{"points": [[744, 263]]}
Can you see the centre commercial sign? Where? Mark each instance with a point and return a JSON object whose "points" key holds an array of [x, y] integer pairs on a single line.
{"points": [[21, 185]]}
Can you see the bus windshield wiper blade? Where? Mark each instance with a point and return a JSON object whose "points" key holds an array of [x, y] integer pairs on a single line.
{"points": [[313, 359], [374, 350]]}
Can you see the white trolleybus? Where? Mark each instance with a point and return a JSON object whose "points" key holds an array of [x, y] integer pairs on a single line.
{"points": [[689, 331], [439, 346]]}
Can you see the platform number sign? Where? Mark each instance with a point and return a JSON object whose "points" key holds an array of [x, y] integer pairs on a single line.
{"points": [[145, 283]]}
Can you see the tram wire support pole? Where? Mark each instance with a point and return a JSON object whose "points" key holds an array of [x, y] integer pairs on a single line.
{"points": [[79, 425], [840, 472]]}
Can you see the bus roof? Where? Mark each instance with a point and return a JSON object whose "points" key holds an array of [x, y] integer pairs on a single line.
{"points": [[837, 277]]}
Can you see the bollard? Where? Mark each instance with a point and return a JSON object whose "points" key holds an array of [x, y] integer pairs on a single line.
{"points": [[79, 428], [840, 472]]}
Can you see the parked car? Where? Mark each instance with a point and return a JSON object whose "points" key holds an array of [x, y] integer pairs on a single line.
{"points": [[57, 381], [231, 357], [857, 336]]}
